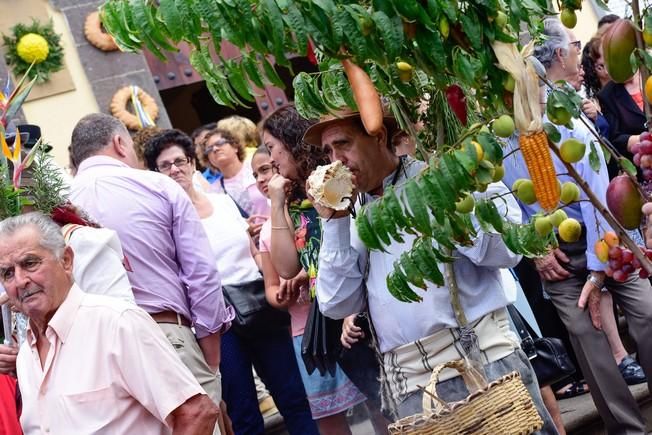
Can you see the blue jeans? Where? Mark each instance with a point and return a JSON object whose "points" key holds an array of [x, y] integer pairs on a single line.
{"points": [[274, 361]]}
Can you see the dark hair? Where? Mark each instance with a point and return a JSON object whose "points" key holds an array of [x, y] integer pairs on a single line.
{"points": [[226, 135], [608, 19], [92, 134], [168, 139], [141, 138], [286, 125], [199, 130], [589, 57]]}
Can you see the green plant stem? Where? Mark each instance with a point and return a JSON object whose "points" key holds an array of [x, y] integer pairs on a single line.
{"points": [[454, 290], [622, 234]]}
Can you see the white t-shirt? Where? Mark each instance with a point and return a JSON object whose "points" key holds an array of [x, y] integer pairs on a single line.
{"points": [[227, 233], [99, 263]]}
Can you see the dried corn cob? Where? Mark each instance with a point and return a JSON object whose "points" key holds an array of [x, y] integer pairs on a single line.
{"points": [[542, 172]]}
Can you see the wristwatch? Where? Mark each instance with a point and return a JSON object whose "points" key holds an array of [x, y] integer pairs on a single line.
{"points": [[597, 283]]}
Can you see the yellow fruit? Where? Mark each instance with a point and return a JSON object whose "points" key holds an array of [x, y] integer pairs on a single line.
{"points": [[570, 192], [32, 48], [611, 239], [499, 173], [509, 83], [568, 18], [405, 71], [525, 192], [543, 226], [648, 89], [572, 150], [647, 36], [503, 126], [601, 250], [559, 115], [478, 150], [570, 230], [558, 217], [466, 204], [517, 183], [501, 19]]}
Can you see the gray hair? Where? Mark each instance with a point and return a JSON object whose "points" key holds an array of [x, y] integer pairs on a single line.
{"points": [[91, 134], [556, 37], [50, 233]]}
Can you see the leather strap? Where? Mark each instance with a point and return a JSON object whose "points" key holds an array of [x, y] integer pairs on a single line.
{"points": [[170, 317]]}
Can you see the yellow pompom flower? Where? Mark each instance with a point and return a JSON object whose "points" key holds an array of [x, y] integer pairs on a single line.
{"points": [[32, 48]]}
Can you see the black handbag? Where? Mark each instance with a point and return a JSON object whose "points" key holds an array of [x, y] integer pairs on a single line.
{"points": [[254, 316], [547, 355], [320, 345]]}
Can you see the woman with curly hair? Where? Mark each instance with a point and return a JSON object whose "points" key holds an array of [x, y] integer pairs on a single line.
{"points": [[290, 242]]}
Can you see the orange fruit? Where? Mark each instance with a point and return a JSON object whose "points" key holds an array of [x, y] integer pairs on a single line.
{"points": [[648, 89]]}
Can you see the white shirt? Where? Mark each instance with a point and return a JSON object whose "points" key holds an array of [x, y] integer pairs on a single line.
{"points": [[99, 263], [228, 237], [109, 370], [343, 258]]}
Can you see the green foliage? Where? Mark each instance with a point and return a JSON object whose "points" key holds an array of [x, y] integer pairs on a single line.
{"points": [[40, 71], [425, 207], [375, 34], [42, 183]]}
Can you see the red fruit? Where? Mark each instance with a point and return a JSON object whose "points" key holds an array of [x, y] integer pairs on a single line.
{"points": [[615, 264], [615, 252], [457, 102], [637, 159], [636, 264], [648, 254], [620, 276], [625, 201], [636, 148], [645, 147], [609, 272], [643, 274], [627, 256], [646, 161], [647, 174], [627, 268], [646, 135]]}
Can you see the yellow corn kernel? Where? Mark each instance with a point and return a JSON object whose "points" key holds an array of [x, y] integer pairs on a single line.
{"points": [[542, 172]]}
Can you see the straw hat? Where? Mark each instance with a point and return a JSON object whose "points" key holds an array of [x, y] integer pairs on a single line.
{"points": [[313, 134]]}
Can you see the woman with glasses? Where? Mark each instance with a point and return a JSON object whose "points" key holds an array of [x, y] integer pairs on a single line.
{"points": [[293, 236], [222, 150], [172, 153]]}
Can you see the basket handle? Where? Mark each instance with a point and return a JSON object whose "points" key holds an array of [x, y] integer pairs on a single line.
{"points": [[432, 403]]}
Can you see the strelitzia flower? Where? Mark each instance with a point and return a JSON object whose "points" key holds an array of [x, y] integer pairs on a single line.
{"points": [[14, 157]]}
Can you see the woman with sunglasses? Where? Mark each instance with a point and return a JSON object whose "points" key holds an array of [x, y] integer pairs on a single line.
{"points": [[172, 153]]}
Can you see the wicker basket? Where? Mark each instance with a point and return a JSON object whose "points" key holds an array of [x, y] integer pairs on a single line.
{"points": [[503, 406]]}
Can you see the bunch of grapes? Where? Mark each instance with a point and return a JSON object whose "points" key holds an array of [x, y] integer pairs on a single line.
{"points": [[622, 263], [643, 155]]}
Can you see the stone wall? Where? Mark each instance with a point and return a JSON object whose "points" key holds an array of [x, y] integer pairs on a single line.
{"points": [[107, 71]]}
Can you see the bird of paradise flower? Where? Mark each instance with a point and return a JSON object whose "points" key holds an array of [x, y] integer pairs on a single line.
{"points": [[15, 157]]}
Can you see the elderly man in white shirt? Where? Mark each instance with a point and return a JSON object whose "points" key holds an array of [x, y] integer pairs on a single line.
{"points": [[414, 338]]}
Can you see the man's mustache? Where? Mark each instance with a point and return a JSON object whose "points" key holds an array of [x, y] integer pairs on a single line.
{"points": [[33, 289]]}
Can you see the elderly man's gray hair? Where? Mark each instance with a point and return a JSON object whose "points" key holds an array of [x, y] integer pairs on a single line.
{"points": [[50, 233], [556, 37], [91, 134]]}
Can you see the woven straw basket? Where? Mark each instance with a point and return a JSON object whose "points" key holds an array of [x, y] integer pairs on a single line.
{"points": [[502, 407]]}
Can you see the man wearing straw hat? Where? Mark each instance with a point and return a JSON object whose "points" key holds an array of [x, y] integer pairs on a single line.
{"points": [[413, 338]]}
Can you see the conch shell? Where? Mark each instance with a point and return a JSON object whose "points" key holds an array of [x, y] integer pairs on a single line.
{"points": [[331, 185]]}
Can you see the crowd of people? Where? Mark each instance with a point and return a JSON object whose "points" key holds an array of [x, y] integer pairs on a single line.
{"points": [[144, 304]]}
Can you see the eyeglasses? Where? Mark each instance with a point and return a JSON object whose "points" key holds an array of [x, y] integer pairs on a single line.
{"points": [[179, 163], [216, 145], [577, 44]]}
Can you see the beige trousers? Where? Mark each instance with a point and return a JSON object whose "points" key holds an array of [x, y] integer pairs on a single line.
{"points": [[185, 343]]}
